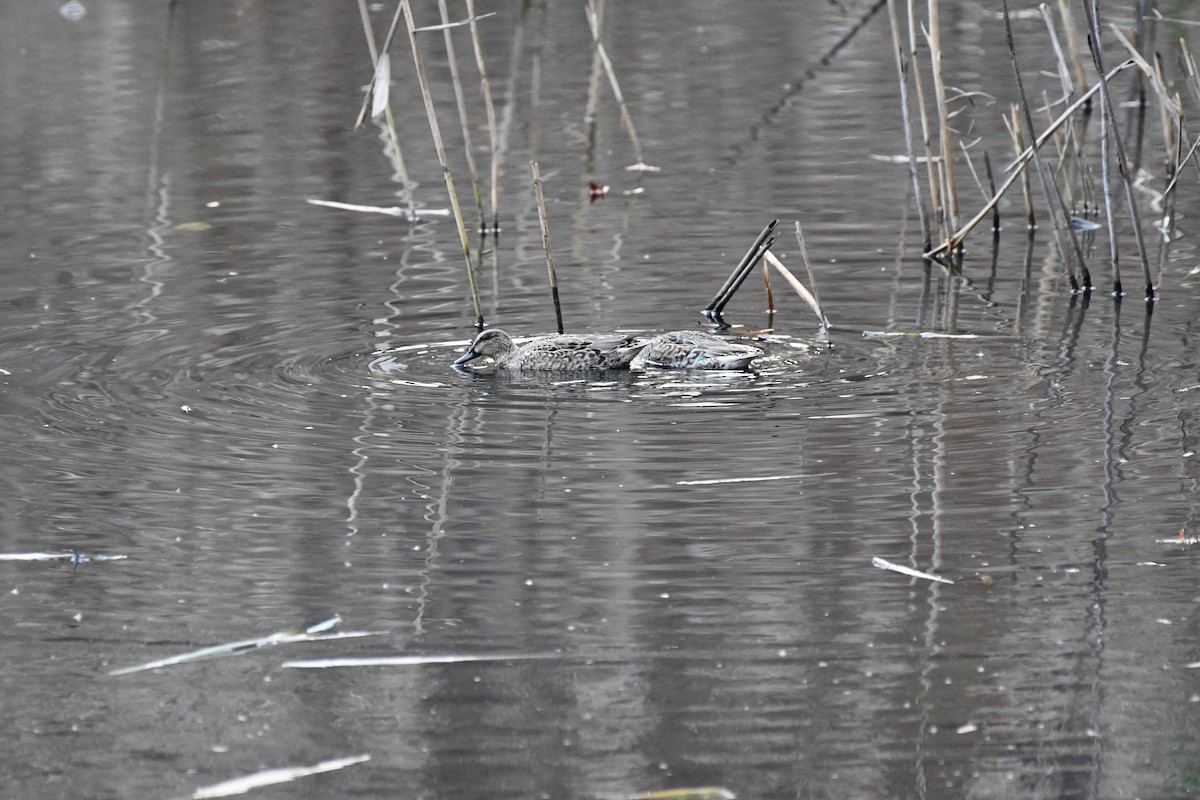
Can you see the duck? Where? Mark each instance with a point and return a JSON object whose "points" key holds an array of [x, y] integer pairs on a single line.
{"points": [[693, 350], [563, 352], [574, 352]]}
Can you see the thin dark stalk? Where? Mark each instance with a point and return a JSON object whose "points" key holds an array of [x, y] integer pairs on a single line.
{"points": [[1093, 17], [541, 205], [987, 168], [427, 95], [1059, 223]]}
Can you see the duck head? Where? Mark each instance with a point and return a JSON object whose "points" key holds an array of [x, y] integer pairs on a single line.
{"points": [[492, 342]]}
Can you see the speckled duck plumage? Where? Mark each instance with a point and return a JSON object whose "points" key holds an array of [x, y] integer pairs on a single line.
{"points": [[574, 352], [562, 352], [693, 350]]}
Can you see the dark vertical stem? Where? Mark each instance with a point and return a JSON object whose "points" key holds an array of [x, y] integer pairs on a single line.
{"points": [[1059, 224], [987, 168], [1093, 17]]}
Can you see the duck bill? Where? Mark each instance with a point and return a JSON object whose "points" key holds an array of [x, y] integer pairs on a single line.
{"points": [[470, 355]]}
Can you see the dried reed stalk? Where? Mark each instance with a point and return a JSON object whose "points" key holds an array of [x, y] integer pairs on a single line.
{"points": [[399, 168], [427, 95], [1016, 167], [626, 120], [1013, 123], [460, 101], [493, 137], [935, 193], [902, 65], [541, 205], [934, 38]]}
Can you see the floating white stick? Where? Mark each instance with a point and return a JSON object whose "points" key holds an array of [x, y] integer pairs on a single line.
{"points": [[884, 564], [270, 777]]}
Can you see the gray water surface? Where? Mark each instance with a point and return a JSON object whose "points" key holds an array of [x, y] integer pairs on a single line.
{"points": [[251, 397]]}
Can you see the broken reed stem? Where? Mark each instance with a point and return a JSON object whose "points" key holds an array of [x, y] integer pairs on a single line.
{"points": [[493, 137], [934, 37], [1016, 167], [387, 46], [541, 204], [626, 119], [460, 100], [971, 168], [1092, 11], [902, 65], [1055, 211], [812, 279], [427, 95]]}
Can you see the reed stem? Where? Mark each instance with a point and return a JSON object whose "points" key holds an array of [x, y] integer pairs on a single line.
{"points": [[1092, 11], [1016, 167], [1055, 210], [626, 119], [460, 101], [939, 90], [427, 95], [541, 205], [493, 136], [935, 193], [902, 66]]}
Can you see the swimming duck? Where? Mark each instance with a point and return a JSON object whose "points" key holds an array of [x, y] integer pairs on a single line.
{"points": [[693, 350], [561, 352]]}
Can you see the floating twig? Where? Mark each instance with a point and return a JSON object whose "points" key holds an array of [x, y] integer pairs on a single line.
{"points": [[313, 633], [402, 661], [909, 571], [271, 777], [74, 555], [413, 214]]}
